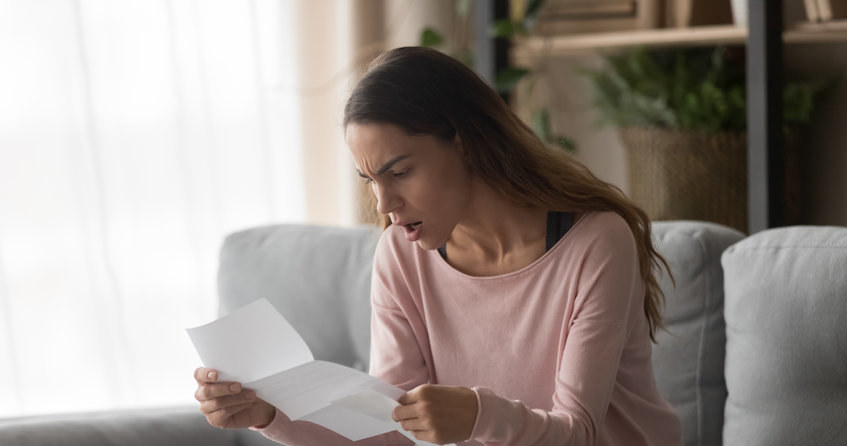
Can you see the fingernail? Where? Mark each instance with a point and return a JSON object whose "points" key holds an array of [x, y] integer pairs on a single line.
{"points": [[235, 387], [211, 375]]}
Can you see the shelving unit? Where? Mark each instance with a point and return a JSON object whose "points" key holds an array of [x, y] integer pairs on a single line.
{"points": [[526, 50], [764, 40]]}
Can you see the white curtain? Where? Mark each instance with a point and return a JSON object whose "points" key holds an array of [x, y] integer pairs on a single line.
{"points": [[134, 135]]}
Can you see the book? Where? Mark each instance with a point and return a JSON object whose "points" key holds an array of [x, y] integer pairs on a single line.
{"points": [[832, 9], [580, 16], [812, 10], [689, 13]]}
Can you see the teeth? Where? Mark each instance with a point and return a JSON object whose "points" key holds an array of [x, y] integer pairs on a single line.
{"points": [[415, 225]]}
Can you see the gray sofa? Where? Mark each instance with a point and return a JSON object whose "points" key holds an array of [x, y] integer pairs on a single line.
{"points": [[755, 351]]}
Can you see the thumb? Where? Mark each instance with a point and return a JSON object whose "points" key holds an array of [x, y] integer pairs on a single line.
{"points": [[406, 398], [410, 396]]}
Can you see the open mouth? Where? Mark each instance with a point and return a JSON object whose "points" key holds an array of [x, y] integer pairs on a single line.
{"points": [[413, 231]]}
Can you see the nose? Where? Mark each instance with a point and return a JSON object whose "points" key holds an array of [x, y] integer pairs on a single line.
{"points": [[386, 199]]}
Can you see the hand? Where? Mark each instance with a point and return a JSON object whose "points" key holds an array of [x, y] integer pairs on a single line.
{"points": [[227, 405], [438, 414]]}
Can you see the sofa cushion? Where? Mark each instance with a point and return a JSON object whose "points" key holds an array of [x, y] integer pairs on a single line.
{"points": [[143, 427], [786, 359], [317, 277], [689, 355]]}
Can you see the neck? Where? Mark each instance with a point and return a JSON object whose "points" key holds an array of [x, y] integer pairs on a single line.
{"points": [[494, 228]]}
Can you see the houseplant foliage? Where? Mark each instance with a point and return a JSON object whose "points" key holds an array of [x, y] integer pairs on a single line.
{"points": [[682, 116], [698, 89]]}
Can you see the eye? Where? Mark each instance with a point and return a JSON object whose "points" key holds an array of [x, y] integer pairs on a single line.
{"points": [[400, 174], [367, 180]]}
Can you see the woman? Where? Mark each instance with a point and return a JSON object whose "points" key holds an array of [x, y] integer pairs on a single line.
{"points": [[513, 292]]}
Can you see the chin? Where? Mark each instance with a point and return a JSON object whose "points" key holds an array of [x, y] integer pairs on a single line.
{"points": [[430, 244], [423, 244]]}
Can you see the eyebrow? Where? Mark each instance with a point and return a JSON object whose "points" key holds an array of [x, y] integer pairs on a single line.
{"points": [[385, 166]]}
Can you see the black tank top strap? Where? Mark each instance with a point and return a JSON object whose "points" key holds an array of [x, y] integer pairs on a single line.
{"points": [[558, 224]]}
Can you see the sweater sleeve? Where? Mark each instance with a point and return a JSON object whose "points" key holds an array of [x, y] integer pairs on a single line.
{"points": [[609, 289], [303, 433], [397, 330]]}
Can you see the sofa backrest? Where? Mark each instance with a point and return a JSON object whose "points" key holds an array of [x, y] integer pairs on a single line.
{"points": [[688, 357], [317, 277], [786, 354]]}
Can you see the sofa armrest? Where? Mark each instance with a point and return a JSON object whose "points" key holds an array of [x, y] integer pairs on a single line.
{"points": [[786, 352], [184, 426]]}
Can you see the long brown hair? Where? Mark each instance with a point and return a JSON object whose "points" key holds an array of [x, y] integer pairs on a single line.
{"points": [[426, 92]]}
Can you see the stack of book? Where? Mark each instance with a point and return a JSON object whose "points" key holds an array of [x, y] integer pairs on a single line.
{"points": [[592, 16], [826, 10], [689, 13], [595, 16]]}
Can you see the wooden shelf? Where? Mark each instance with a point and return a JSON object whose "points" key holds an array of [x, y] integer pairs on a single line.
{"points": [[823, 32], [528, 49]]}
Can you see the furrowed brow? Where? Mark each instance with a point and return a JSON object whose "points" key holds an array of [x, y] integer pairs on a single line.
{"points": [[389, 164], [384, 167]]}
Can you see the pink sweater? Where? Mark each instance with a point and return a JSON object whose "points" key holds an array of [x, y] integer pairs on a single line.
{"points": [[557, 352]]}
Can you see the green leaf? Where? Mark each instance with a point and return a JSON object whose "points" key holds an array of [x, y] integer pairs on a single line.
{"points": [[540, 120], [691, 88], [506, 80], [565, 143], [530, 14], [682, 88], [431, 38], [540, 123], [465, 56], [506, 28]]}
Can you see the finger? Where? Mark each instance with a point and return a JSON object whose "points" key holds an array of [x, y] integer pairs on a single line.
{"points": [[213, 405], [405, 399], [210, 391], [414, 425], [412, 395], [405, 412], [223, 418], [204, 375]]}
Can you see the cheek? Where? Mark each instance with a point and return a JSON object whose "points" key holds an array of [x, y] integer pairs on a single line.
{"points": [[450, 195], [458, 182]]}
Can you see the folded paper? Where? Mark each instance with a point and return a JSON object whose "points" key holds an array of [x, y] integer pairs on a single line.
{"points": [[257, 347]]}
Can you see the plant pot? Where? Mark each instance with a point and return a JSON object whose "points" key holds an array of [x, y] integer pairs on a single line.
{"points": [[687, 175]]}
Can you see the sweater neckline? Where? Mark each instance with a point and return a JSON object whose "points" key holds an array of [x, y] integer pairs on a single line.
{"points": [[443, 264]]}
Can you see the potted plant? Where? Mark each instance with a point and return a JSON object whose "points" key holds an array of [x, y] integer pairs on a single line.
{"points": [[682, 117]]}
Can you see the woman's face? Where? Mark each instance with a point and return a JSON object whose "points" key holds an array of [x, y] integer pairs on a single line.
{"points": [[421, 182]]}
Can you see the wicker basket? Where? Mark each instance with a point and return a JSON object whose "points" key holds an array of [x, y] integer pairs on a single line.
{"points": [[686, 175]]}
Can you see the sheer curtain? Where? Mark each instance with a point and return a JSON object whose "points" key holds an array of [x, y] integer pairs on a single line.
{"points": [[134, 135]]}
